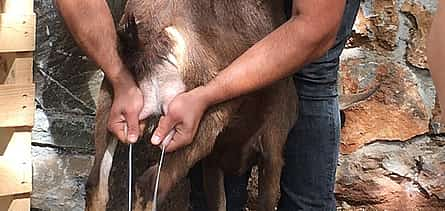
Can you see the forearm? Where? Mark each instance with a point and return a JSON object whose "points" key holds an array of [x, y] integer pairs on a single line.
{"points": [[92, 26], [436, 54], [281, 53]]}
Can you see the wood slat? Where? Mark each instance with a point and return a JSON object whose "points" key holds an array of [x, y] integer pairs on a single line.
{"points": [[17, 32], [5, 137], [14, 177], [12, 204], [17, 105], [16, 68], [17, 6], [18, 142], [16, 165], [17, 40]]}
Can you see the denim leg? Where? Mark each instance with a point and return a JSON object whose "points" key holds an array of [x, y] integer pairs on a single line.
{"points": [[236, 191], [311, 153], [198, 200]]}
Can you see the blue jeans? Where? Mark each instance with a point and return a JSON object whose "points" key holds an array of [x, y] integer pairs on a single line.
{"points": [[311, 151]]}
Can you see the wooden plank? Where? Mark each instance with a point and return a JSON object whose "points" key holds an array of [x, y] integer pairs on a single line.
{"points": [[15, 204], [17, 6], [17, 32], [16, 68], [19, 143], [22, 67], [20, 205], [5, 137], [16, 166], [14, 177], [17, 105]]}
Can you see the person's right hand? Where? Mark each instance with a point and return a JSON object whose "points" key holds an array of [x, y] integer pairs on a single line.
{"points": [[123, 121]]}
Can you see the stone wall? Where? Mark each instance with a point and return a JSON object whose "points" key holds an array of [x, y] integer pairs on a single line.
{"points": [[392, 154], [392, 157], [67, 84]]}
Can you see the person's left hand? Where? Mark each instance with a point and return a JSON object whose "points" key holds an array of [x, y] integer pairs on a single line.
{"points": [[183, 115]]}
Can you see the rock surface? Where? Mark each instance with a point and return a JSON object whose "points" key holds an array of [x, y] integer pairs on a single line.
{"points": [[420, 18], [390, 158], [66, 89], [396, 111], [59, 178], [66, 83], [394, 176]]}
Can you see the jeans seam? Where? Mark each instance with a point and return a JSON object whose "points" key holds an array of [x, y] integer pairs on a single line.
{"points": [[332, 140]]}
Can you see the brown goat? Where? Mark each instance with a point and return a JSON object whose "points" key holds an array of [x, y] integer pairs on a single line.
{"points": [[174, 46]]}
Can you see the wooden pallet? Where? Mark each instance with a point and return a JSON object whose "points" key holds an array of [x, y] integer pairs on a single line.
{"points": [[17, 43]]}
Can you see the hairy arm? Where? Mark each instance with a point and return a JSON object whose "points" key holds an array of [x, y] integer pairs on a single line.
{"points": [[306, 36], [91, 24]]}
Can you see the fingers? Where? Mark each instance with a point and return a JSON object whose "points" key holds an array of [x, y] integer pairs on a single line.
{"points": [[120, 130], [175, 145], [142, 126], [181, 138], [133, 127], [117, 128], [127, 104], [168, 138], [166, 124], [126, 129]]}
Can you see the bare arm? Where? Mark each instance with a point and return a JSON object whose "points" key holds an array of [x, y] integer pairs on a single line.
{"points": [[92, 26], [436, 55], [306, 36]]}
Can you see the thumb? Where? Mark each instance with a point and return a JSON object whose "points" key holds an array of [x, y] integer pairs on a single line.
{"points": [[117, 126], [166, 124], [133, 127]]}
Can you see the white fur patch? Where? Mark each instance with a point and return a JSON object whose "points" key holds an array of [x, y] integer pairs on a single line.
{"points": [[180, 47], [165, 80], [105, 168]]}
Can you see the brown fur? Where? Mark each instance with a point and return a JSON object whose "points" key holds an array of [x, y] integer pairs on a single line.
{"points": [[232, 136]]}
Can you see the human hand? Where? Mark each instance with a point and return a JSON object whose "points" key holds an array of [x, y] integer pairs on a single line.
{"points": [[183, 115], [123, 121]]}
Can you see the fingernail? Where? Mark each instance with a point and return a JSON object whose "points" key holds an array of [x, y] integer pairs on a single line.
{"points": [[155, 139], [132, 138]]}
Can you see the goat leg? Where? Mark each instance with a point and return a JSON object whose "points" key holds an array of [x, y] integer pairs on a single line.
{"points": [[178, 164], [97, 184]]}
